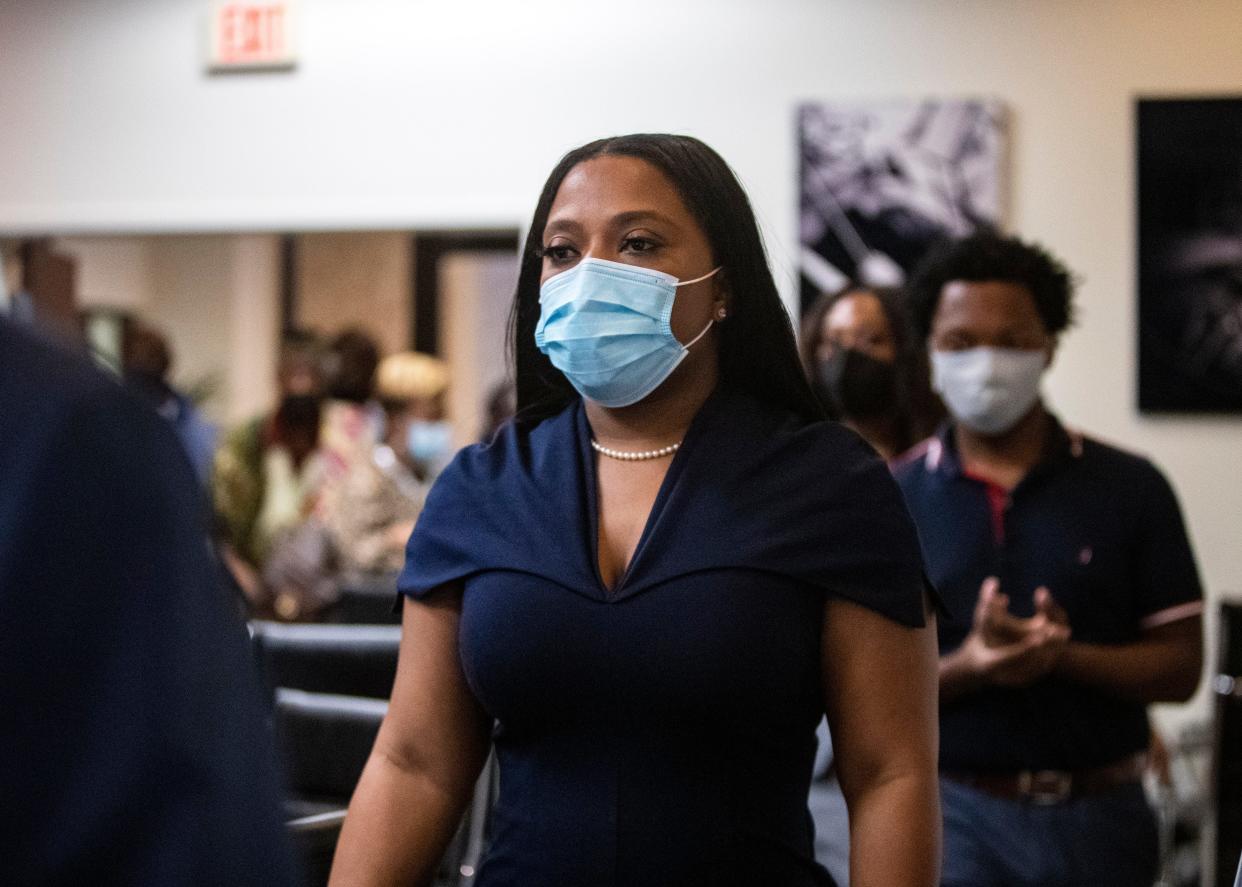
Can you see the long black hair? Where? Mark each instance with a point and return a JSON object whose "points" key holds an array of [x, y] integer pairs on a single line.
{"points": [[757, 350]]}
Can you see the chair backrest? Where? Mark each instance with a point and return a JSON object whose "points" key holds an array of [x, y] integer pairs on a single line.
{"points": [[362, 602], [314, 840], [352, 660], [326, 740]]}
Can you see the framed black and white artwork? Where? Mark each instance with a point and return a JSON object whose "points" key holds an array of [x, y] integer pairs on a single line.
{"points": [[1190, 255], [883, 181]]}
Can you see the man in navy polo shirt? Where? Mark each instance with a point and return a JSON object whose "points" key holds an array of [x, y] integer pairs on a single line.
{"points": [[1073, 594]]}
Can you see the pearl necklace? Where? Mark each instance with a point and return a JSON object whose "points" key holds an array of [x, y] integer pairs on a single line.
{"points": [[634, 455]]}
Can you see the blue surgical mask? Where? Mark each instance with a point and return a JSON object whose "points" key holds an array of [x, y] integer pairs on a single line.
{"points": [[988, 389], [605, 325], [429, 442]]}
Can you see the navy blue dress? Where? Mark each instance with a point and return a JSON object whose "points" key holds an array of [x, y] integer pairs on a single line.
{"points": [[663, 732]]}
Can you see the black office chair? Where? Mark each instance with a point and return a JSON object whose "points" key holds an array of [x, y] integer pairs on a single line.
{"points": [[314, 838], [365, 599], [329, 683], [351, 660], [325, 740], [1227, 756]]}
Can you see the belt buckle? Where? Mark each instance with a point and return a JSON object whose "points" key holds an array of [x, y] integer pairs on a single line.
{"points": [[1045, 787]]}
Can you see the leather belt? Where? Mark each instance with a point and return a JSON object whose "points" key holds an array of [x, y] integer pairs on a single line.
{"points": [[1054, 786]]}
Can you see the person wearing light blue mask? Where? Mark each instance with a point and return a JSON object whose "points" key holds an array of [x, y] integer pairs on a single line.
{"points": [[411, 386], [383, 495], [607, 326], [429, 442], [1068, 574], [989, 390], [646, 589]]}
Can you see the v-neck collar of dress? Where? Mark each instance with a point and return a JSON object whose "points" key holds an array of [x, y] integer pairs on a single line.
{"points": [[627, 583]]}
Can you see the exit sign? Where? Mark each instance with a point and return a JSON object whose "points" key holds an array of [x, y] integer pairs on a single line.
{"points": [[251, 35]]}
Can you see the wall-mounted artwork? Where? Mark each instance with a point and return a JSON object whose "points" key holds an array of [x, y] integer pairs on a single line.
{"points": [[1190, 255], [882, 181]]}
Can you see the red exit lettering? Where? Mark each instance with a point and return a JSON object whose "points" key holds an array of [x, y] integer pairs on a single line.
{"points": [[250, 33]]}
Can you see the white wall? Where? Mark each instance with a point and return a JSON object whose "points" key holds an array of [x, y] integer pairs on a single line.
{"points": [[409, 115]]}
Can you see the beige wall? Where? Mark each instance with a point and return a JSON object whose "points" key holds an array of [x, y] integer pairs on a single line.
{"points": [[476, 290], [113, 272], [191, 300], [356, 279], [215, 297], [254, 325]]}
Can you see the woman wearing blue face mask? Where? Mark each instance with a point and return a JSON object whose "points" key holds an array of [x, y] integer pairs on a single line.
{"points": [[647, 589]]}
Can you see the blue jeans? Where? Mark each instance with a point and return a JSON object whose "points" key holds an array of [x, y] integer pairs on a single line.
{"points": [[832, 829], [1105, 840]]}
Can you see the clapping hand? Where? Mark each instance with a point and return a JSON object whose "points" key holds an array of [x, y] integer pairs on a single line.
{"points": [[1011, 651]]}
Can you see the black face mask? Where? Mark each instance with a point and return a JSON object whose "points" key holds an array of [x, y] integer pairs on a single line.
{"points": [[298, 411], [857, 385]]}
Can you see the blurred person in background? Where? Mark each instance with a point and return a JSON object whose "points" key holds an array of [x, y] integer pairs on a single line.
{"points": [[134, 750], [146, 363], [860, 352], [411, 388], [302, 568], [1073, 596], [352, 420], [266, 472], [381, 497]]}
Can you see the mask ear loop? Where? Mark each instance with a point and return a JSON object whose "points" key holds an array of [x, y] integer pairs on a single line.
{"points": [[709, 322], [699, 279]]}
